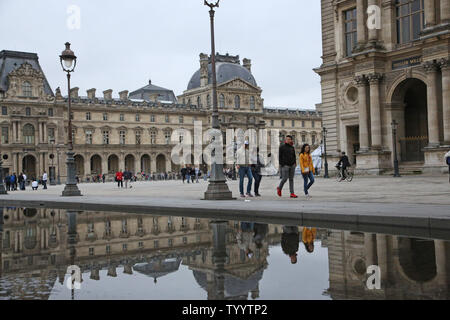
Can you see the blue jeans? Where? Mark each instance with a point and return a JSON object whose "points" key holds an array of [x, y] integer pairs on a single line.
{"points": [[245, 171], [307, 176]]}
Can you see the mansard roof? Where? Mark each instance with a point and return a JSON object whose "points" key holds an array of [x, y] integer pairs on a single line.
{"points": [[12, 60], [150, 89]]}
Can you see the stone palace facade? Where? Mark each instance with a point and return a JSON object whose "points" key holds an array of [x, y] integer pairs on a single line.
{"points": [[133, 131], [397, 70]]}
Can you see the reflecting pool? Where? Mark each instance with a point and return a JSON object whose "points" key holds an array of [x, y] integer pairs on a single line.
{"points": [[115, 255]]}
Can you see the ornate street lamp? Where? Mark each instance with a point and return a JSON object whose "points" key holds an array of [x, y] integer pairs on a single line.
{"points": [[325, 131], [68, 63], [217, 188], [394, 125], [2, 185], [52, 156]]}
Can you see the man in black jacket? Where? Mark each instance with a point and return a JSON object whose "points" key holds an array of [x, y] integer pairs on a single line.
{"points": [[288, 161], [345, 164]]}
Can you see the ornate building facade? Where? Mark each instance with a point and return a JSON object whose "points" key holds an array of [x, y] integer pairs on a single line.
{"points": [[398, 69], [133, 131]]}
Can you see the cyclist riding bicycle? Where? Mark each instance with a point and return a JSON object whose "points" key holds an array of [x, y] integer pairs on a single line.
{"points": [[343, 164]]}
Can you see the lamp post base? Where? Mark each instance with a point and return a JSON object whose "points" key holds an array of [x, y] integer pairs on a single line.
{"points": [[218, 190], [71, 190]]}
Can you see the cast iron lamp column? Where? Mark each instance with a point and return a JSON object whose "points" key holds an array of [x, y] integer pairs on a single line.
{"points": [[394, 125], [325, 152], [217, 188], [68, 62], [52, 176]]}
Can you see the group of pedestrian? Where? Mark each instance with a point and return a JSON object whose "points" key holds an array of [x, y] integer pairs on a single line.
{"points": [[126, 176], [250, 168], [288, 163], [250, 236], [190, 174], [13, 182], [290, 240]]}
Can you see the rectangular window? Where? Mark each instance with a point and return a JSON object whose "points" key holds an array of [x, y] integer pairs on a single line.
{"points": [[122, 137], [272, 123], [180, 119], [303, 124], [51, 134], [303, 138], [4, 111], [312, 124], [138, 117], [91, 251], [28, 111], [88, 116], [293, 123], [108, 249], [152, 137], [5, 135], [167, 136], [313, 139], [156, 244], [124, 247], [141, 244], [122, 117], [410, 19], [88, 136], [167, 118], [185, 240], [105, 137], [350, 31], [282, 123], [105, 116], [170, 242], [50, 112], [152, 118]]}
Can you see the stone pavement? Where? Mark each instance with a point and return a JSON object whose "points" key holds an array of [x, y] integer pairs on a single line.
{"points": [[409, 201]]}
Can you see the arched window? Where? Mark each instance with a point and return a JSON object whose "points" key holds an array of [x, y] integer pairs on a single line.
{"points": [[27, 89], [222, 101], [28, 134], [252, 102], [208, 100], [237, 102]]}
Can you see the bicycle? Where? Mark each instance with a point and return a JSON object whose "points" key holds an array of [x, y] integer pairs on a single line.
{"points": [[340, 177]]}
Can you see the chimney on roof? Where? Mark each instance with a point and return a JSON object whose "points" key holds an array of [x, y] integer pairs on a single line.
{"points": [[203, 69], [74, 92], [91, 93], [107, 94], [123, 95], [247, 63], [150, 81]]}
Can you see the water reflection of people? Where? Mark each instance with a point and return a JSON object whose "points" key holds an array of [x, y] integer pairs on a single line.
{"points": [[244, 237], [260, 231], [308, 236], [290, 239]]}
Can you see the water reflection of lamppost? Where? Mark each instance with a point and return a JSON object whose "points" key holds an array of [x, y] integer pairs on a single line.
{"points": [[72, 242], [234, 158], [325, 131], [394, 125], [68, 63], [219, 257], [217, 188]]}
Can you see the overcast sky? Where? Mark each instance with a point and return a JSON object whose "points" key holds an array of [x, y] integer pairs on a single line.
{"points": [[122, 44]]}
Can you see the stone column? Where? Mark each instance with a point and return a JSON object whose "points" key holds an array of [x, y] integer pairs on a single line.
{"points": [[369, 248], [445, 11], [360, 19], [105, 164], [375, 110], [137, 164], [153, 164], [441, 262], [168, 163], [87, 165], [363, 114], [445, 69], [40, 138], [430, 15], [382, 256], [45, 132], [432, 104], [14, 132], [388, 22]]}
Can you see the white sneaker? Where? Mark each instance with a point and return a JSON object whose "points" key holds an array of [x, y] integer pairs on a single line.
{"points": [[308, 197]]}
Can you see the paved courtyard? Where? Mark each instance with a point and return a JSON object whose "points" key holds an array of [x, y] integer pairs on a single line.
{"points": [[410, 201]]}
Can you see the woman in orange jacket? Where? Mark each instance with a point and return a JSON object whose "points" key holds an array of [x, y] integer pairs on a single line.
{"points": [[307, 167], [308, 236]]}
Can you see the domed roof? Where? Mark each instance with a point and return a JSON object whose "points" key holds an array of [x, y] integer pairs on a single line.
{"points": [[225, 71]]}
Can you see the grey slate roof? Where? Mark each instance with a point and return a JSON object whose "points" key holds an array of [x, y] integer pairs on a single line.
{"points": [[225, 71], [12, 60], [144, 93]]}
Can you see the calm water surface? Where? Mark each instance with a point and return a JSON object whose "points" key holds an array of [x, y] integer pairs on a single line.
{"points": [[132, 256]]}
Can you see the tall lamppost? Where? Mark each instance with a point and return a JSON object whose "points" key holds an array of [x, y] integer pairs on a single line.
{"points": [[58, 181], [68, 63], [217, 188], [2, 185], [325, 175], [394, 125], [52, 156]]}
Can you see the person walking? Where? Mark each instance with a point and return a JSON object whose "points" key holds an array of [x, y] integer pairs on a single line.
{"points": [[243, 166], [24, 181], [183, 173], [14, 182], [192, 174], [20, 180], [44, 180], [290, 239], [188, 173], [287, 160], [119, 179], [127, 177], [256, 172], [196, 174], [8, 182], [343, 164], [307, 168], [103, 178]]}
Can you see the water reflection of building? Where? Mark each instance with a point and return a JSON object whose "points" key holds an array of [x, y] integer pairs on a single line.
{"points": [[410, 268], [36, 248]]}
